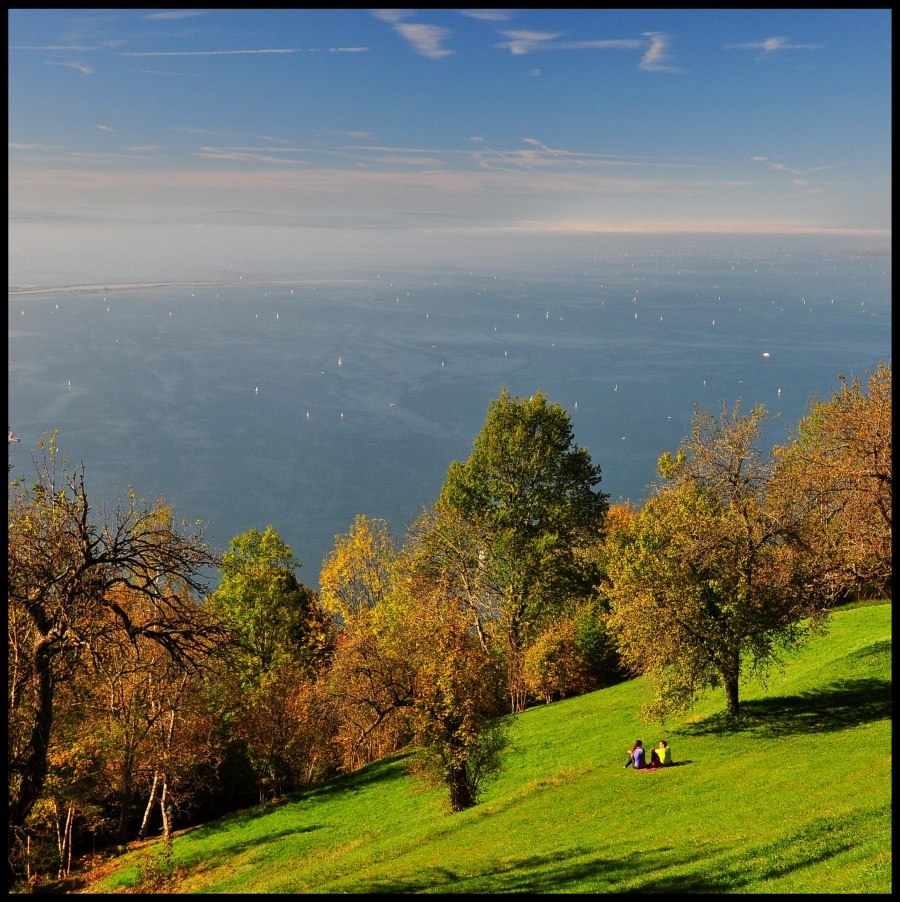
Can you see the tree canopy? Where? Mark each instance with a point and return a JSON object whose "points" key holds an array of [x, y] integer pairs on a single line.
{"points": [[79, 580], [711, 579], [840, 464], [507, 528]]}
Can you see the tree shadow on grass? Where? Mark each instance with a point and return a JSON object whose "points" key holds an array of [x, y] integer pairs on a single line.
{"points": [[839, 706], [661, 869], [385, 771]]}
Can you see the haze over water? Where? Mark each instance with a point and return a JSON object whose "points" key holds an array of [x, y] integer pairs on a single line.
{"points": [[300, 394]]}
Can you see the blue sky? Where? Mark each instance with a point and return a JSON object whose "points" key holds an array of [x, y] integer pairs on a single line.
{"points": [[758, 120]]}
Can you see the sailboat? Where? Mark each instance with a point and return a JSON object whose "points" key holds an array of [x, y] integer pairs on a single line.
{"points": [[340, 361]]}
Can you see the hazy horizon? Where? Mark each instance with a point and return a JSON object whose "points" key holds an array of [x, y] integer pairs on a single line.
{"points": [[131, 128]]}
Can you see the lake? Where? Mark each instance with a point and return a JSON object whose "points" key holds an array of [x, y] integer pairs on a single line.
{"points": [[300, 396]]}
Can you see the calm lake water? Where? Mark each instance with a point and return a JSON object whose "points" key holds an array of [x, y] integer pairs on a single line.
{"points": [[301, 398]]}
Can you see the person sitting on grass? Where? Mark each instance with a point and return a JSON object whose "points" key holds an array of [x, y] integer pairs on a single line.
{"points": [[664, 753], [637, 756]]}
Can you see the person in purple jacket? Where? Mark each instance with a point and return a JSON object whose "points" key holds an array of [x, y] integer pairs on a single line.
{"points": [[638, 756]]}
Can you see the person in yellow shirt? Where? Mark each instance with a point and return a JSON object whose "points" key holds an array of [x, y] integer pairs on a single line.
{"points": [[664, 753]]}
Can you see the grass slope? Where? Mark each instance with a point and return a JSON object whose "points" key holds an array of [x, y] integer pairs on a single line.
{"points": [[794, 799]]}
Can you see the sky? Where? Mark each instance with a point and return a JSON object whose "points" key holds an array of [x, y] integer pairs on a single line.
{"points": [[126, 126]]}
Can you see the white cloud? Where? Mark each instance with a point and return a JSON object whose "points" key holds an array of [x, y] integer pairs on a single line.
{"points": [[392, 16], [245, 155], [348, 49], [656, 57], [56, 48], [352, 134], [426, 39], [12, 145], [84, 70], [769, 45], [205, 52], [782, 167], [488, 15], [178, 14], [521, 42]]}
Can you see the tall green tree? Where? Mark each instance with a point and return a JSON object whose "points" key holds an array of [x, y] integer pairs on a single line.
{"points": [[507, 530], [271, 616], [281, 640], [65, 562], [714, 579]]}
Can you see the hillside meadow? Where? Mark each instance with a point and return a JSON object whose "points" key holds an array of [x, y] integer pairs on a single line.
{"points": [[795, 797]]}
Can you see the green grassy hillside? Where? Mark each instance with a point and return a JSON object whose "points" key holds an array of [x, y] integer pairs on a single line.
{"points": [[794, 799]]}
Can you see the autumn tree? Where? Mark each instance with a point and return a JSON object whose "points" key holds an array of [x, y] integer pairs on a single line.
{"points": [[410, 671], [574, 654], [281, 639], [457, 701], [65, 562], [70, 792], [713, 580], [839, 462], [356, 574], [371, 680], [507, 529]]}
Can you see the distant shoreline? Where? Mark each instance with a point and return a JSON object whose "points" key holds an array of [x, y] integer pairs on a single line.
{"points": [[124, 286]]}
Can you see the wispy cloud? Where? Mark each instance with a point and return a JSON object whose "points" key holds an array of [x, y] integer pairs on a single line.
{"points": [[178, 14], [769, 45], [392, 16], [81, 67], [192, 131], [244, 155], [171, 74], [657, 56], [106, 128], [57, 48], [488, 15], [348, 49], [521, 42], [426, 40], [12, 145], [205, 52], [782, 167]]}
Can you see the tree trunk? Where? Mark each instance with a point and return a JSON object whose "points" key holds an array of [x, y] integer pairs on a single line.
{"points": [[163, 800], [150, 802], [515, 674], [70, 829], [64, 833], [462, 795], [732, 679], [33, 769], [60, 838]]}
